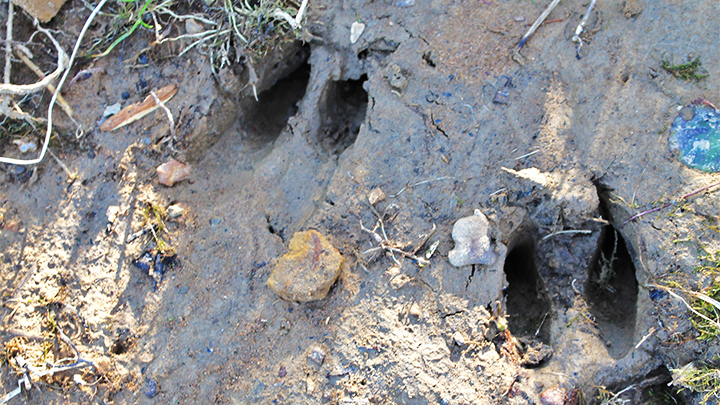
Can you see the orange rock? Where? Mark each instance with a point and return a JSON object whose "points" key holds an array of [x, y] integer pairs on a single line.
{"points": [[308, 270], [171, 172], [43, 10]]}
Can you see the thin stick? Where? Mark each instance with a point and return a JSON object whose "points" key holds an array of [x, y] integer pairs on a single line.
{"points": [[67, 171], [536, 24], [569, 231], [685, 197], [169, 114], [8, 43], [669, 291], [646, 337], [61, 100], [57, 93], [527, 154], [23, 89], [420, 183]]}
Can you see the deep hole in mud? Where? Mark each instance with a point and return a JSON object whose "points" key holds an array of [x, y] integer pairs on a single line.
{"points": [[528, 304], [343, 113], [611, 288], [268, 116]]}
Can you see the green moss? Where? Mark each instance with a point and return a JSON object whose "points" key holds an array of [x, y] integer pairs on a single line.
{"points": [[686, 71], [704, 379], [708, 330]]}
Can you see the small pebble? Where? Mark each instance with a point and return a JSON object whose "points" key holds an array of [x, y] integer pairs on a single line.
{"points": [[18, 170], [375, 195], [519, 18], [459, 339], [193, 27], [553, 396], [501, 97], [125, 95], [356, 30], [175, 211], [472, 243], [143, 59], [283, 372], [215, 221], [317, 356], [151, 388], [171, 172]]}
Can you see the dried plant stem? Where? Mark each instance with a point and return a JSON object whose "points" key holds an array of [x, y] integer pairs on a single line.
{"points": [[536, 24], [167, 112], [683, 198], [63, 104], [88, 22], [8, 43], [696, 295]]}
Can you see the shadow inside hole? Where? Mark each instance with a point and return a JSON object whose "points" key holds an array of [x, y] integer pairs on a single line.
{"points": [[343, 113], [611, 291], [528, 303], [266, 118]]}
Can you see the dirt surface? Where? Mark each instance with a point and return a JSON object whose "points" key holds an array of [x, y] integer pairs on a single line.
{"points": [[429, 106]]}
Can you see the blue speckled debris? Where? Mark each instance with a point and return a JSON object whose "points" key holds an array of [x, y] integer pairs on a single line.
{"points": [[696, 134]]}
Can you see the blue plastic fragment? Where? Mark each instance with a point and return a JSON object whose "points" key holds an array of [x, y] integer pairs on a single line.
{"points": [[695, 133]]}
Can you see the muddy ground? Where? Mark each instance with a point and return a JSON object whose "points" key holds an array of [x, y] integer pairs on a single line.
{"points": [[427, 105]]}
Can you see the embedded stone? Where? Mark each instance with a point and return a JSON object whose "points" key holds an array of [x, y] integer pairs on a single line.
{"points": [[472, 242], [308, 270]]}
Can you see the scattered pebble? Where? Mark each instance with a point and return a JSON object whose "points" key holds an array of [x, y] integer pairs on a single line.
{"points": [[553, 396], [283, 372], [193, 27], [125, 95], [146, 357], [176, 211], [472, 243], [215, 221], [501, 97], [112, 110], [405, 3], [77, 378], [519, 18], [151, 388], [339, 371], [375, 195], [415, 310], [317, 356], [142, 59], [459, 339], [356, 30], [171, 172], [25, 145], [308, 270]]}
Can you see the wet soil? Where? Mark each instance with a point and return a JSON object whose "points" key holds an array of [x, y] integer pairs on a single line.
{"points": [[569, 302]]}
